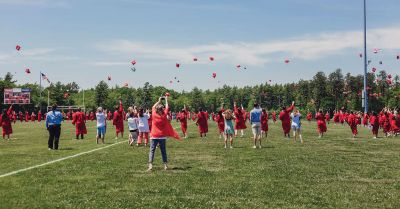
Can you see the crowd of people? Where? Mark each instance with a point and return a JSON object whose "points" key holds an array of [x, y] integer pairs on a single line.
{"points": [[154, 126]]}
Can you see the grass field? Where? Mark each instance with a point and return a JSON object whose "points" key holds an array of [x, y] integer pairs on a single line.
{"points": [[333, 172]]}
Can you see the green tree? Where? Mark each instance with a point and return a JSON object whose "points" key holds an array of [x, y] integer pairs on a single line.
{"points": [[101, 94]]}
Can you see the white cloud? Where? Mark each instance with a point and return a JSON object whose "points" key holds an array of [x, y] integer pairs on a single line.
{"points": [[309, 47]]}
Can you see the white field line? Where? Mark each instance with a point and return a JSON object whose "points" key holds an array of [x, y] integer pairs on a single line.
{"points": [[61, 159]]}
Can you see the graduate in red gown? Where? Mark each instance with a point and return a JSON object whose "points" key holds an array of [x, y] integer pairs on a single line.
{"points": [[27, 116], [92, 116], [39, 116], [14, 114], [274, 116], [118, 120], [365, 119], [327, 117], [264, 123], [342, 117], [309, 117], [182, 117], [386, 123], [194, 116], [21, 116], [240, 121], [284, 116], [374, 122], [109, 115], [321, 124], [33, 117], [5, 122], [69, 115], [352, 121], [394, 128], [219, 119], [202, 122], [359, 118], [336, 117], [79, 120]]}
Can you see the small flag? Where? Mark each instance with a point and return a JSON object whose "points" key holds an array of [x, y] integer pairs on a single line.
{"points": [[44, 77]]}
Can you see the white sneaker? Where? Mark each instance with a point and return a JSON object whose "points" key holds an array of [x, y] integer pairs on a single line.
{"points": [[231, 147], [165, 167], [374, 137], [260, 147], [254, 147], [225, 146], [116, 138], [150, 167]]}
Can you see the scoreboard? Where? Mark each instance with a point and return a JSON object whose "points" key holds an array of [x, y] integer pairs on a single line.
{"points": [[17, 96]]}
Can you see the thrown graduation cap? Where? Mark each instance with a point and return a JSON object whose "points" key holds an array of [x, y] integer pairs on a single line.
{"points": [[66, 95], [380, 62], [109, 78], [195, 59], [178, 81], [376, 50], [390, 76], [245, 68], [238, 66], [369, 62], [126, 84], [398, 57], [27, 70], [175, 78], [214, 75], [287, 61], [177, 65], [133, 69], [133, 62], [211, 58], [360, 55], [18, 47], [373, 70]]}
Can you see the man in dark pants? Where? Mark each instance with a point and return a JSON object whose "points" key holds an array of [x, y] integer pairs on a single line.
{"points": [[53, 125]]}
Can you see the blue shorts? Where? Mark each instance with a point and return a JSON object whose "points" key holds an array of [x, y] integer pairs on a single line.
{"points": [[101, 130]]}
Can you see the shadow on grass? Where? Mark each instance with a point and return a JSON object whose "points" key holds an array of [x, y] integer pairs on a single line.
{"points": [[67, 148], [184, 168]]}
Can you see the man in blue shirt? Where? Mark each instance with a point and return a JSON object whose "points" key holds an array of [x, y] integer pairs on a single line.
{"points": [[53, 125], [255, 121]]}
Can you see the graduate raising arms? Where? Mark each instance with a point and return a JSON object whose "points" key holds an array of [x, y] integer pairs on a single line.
{"points": [[5, 122], [284, 116]]}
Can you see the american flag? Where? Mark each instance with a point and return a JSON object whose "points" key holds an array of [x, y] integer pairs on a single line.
{"points": [[44, 77]]}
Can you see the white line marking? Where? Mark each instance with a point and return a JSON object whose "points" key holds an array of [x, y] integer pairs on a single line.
{"points": [[61, 159], [58, 160]]}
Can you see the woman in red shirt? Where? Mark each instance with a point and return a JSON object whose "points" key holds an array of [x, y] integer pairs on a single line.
{"points": [[161, 129]]}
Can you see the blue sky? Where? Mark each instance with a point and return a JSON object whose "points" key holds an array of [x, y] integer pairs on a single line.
{"points": [[87, 40]]}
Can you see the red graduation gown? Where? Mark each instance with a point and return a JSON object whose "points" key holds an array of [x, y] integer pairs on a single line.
{"points": [[284, 116], [78, 119]]}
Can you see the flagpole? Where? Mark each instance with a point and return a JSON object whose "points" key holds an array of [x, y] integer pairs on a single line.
{"points": [[365, 59]]}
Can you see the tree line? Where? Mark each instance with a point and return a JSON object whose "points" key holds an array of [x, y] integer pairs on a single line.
{"points": [[328, 92]]}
